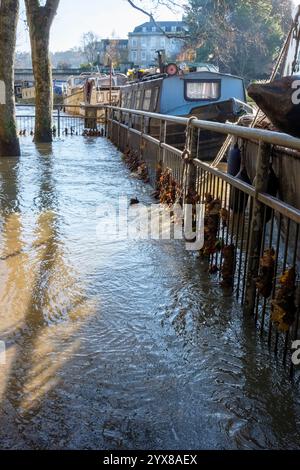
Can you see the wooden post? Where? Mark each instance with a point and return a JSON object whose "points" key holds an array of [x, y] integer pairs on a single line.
{"points": [[256, 226]]}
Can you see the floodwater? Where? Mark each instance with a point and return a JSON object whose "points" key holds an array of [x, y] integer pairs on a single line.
{"points": [[119, 344]]}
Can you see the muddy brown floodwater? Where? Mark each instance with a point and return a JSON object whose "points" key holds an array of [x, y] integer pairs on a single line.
{"points": [[119, 344]]}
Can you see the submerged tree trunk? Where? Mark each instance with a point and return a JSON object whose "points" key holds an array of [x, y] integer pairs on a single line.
{"points": [[9, 142], [40, 19]]}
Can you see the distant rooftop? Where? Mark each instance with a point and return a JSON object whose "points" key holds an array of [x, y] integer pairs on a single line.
{"points": [[167, 26], [114, 41]]}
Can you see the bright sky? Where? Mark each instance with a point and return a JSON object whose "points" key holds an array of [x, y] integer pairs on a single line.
{"points": [[104, 17]]}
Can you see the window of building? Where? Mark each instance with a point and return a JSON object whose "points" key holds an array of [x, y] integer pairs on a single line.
{"points": [[202, 90], [147, 100], [144, 29], [133, 56], [143, 55], [153, 29], [134, 42], [174, 29]]}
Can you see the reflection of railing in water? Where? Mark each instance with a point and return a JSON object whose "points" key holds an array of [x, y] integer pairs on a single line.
{"points": [[63, 124], [250, 224]]}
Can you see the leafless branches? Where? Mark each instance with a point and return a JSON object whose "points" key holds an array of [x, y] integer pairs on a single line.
{"points": [[167, 3]]}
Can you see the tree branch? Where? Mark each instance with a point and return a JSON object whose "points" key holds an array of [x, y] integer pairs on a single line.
{"points": [[152, 19], [51, 6]]}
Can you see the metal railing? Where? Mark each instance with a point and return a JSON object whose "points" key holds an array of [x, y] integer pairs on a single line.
{"points": [[252, 243], [64, 124]]}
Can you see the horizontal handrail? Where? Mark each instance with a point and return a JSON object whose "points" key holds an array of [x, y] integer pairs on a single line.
{"points": [[270, 137], [55, 106], [271, 202]]}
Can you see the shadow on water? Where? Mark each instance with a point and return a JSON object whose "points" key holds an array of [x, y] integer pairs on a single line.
{"points": [[119, 344], [30, 373]]}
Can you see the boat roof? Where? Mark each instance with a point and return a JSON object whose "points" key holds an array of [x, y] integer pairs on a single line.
{"points": [[186, 76], [212, 72]]}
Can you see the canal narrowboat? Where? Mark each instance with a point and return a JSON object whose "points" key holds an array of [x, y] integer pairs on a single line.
{"points": [[92, 89], [206, 94]]}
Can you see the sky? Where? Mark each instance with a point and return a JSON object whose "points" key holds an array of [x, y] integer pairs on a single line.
{"points": [[104, 17], [76, 17]]}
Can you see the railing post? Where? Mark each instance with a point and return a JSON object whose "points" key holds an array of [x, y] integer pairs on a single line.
{"points": [[162, 139], [109, 127], [106, 123], [58, 121], [189, 178], [119, 128], [256, 226], [141, 136], [128, 129]]}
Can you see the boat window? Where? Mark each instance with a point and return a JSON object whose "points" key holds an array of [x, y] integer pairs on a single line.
{"points": [[202, 90], [147, 100], [138, 99]]}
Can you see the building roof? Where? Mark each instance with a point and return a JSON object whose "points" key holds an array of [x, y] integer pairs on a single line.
{"points": [[166, 25], [115, 41]]}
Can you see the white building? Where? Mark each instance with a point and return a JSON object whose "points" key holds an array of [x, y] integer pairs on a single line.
{"points": [[149, 37]]}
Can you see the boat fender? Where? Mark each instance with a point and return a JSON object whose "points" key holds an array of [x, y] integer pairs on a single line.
{"points": [[239, 199], [234, 160]]}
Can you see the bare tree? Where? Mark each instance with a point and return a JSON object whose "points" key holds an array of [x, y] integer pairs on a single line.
{"points": [[9, 142], [40, 18], [90, 43], [140, 5]]}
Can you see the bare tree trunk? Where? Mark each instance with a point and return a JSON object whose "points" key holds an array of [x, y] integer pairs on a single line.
{"points": [[40, 19], [9, 142]]}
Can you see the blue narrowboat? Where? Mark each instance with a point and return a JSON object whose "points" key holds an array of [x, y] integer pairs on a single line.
{"points": [[206, 94]]}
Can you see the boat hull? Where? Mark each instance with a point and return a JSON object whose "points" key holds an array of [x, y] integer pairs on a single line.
{"points": [[206, 144], [279, 100]]}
